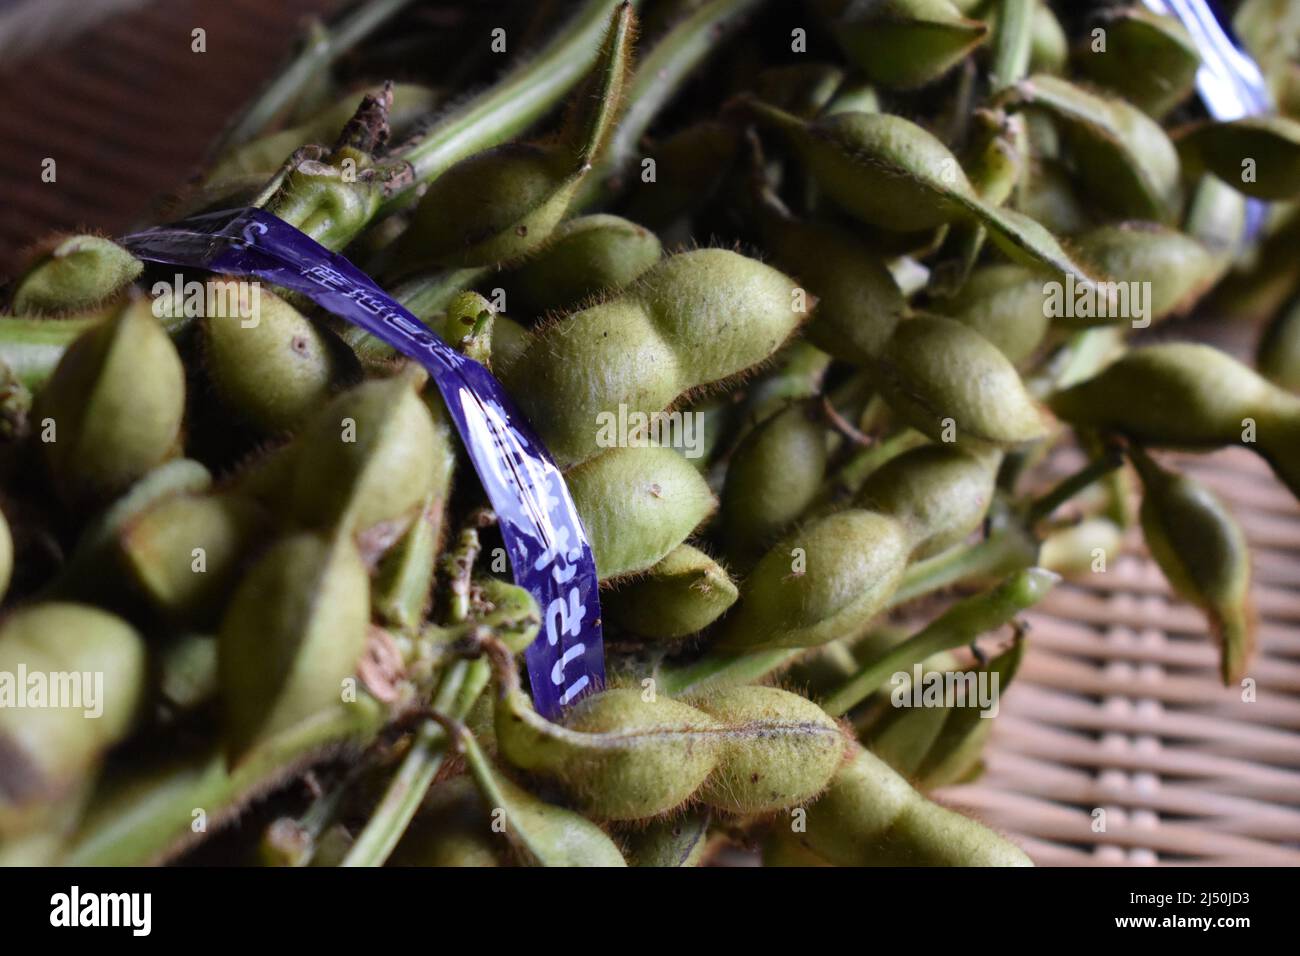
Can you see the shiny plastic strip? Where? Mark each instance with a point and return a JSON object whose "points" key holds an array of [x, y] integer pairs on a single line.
{"points": [[548, 548]]}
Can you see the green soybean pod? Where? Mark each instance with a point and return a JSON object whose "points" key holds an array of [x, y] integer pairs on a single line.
{"points": [[622, 757], [274, 368], [679, 596], [1257, 155], [115, 405], [871, 816], [544, 834], [1123, 156], [1168, 268], [48, 743], [6, 554], [383, 450], [1047, 195], [821, 583], [1178, 394], [772, 477], [949, 382], [637, 505], [780, 751], [1088, 547], [586, 256], [954, 756], [1148, 58], [891, 173], [1005, 303], [503, 204], [1203, 553], [858, 302], [938, 493], [1278, 356], [291, 636], [183, 553], [73, 274], [681, 841], [1187, 395], [694, 319], [904, 44]]}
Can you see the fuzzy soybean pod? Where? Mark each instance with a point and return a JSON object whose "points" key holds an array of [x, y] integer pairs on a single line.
{"points": [[1005, 304], [371, 457], [904, 44], [892, 174], [937, 492], [587, 256], [290, 639], [773, 475], [637, 505], [1256, 155], [6, 555], [694, 319], [1203, 553], [1187, 395], [858, 302], [267, 362], [830, 579], [503, 204], [1176, 268], [1148, 58], [949, 382], [88, 668], [1122, 155], [1278, 356], [871, 816], [72, 274], [113, 407], [183, 553], [632, 755], [679, 596]]}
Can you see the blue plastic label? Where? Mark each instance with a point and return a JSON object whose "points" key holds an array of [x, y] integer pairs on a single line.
{"points": [[548, 548]]}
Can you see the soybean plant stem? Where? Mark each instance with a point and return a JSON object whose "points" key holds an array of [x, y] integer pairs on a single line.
{"points": [[961, 624], [1011, 43], [460, 687], [321, 48], [659, 76], [512, 105], [1091, 473]]}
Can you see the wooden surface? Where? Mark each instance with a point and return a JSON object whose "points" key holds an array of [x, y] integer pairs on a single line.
{"points": [[1119, 707], [127, 110]]}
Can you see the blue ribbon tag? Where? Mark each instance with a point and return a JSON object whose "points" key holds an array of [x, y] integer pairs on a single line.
{"points": [[1229, 81], [549, 553]]}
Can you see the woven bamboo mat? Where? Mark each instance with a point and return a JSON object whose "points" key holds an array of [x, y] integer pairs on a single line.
{"points": [[1118, 708]]}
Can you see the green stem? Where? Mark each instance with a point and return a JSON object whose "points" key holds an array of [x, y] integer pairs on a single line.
{"points": [[961, 624], [421, 764], [1091, 473], [658, 77], [1007, 549], [1011, 45], [322, 49], [511, 106]]}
